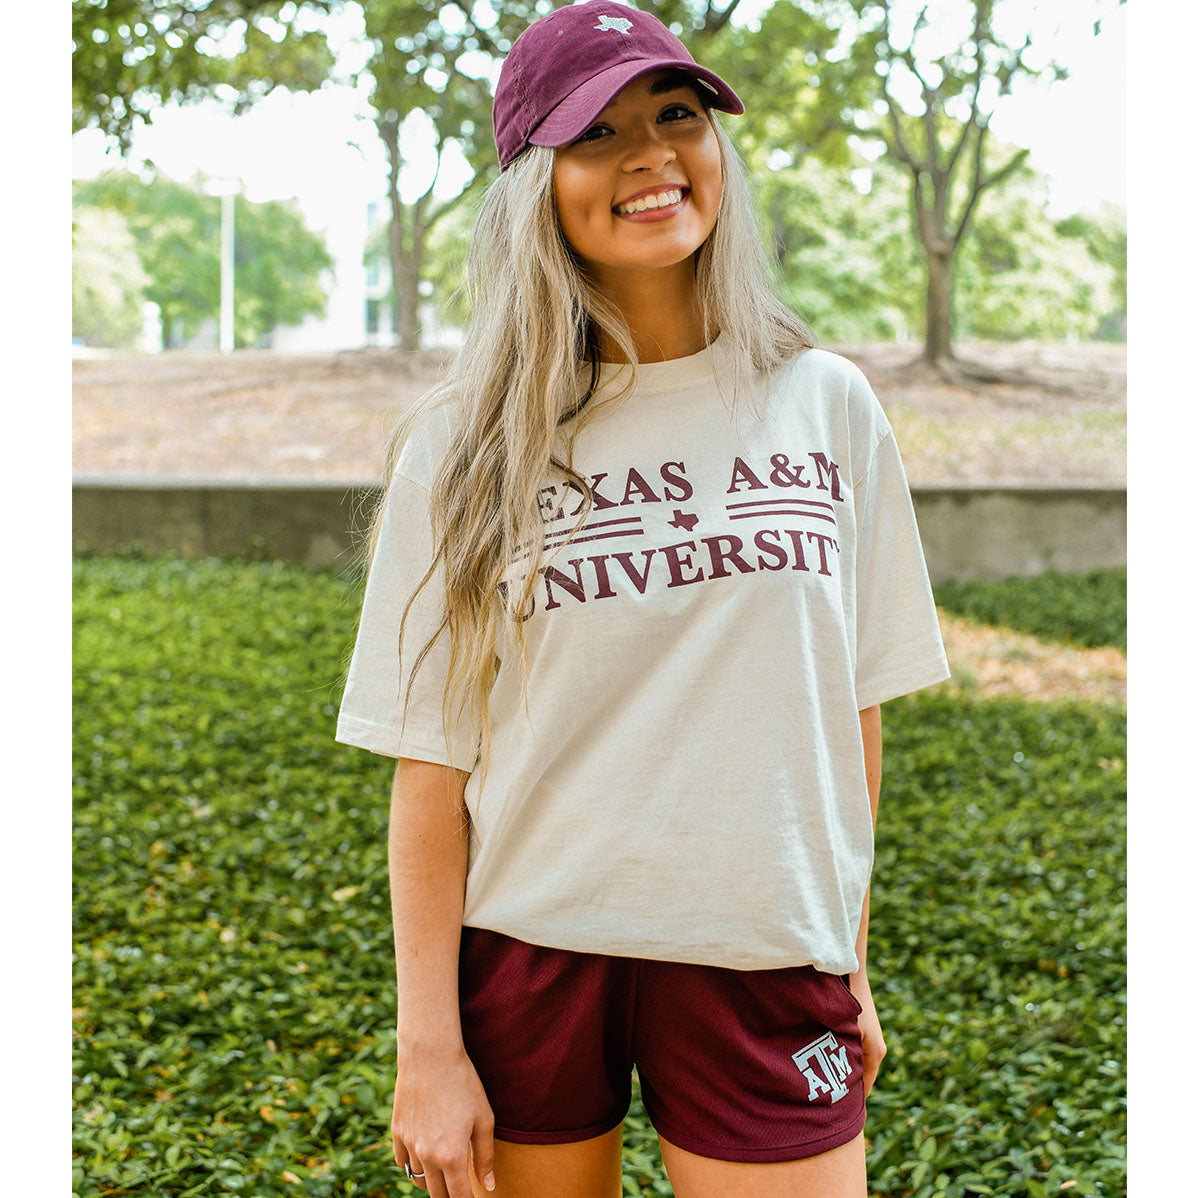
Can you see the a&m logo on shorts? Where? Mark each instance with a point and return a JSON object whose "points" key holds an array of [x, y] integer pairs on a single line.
{"points": [[825, 1065]]}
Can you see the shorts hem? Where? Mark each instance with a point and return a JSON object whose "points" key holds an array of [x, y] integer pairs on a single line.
{"points": [[570, 1136], [748, 1155]]}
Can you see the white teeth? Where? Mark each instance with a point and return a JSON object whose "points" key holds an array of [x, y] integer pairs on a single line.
{"points": [[662, 199]]}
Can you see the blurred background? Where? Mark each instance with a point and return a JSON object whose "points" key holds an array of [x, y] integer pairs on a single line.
{"points": [[272, 204], [353, 138]]}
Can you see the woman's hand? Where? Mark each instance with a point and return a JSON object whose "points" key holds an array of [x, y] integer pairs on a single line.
{"points": [[872, 1043], [441, 1122]]}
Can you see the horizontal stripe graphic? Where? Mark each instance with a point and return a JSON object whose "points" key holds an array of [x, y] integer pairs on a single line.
{"points": [[768, 502], [783, 511]]}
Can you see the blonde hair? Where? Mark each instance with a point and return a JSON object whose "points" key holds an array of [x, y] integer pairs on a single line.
{"points": [[520, 379]]}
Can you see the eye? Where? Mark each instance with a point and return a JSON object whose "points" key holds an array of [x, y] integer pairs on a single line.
{"points": [[586, 137], [671, 114]]}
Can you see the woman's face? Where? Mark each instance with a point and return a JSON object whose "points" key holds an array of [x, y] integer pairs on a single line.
{"points": [[653, 138]]}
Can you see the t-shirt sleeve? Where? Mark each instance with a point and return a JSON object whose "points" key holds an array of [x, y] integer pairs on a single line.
{"points": [[377, 712], [899, 648]]}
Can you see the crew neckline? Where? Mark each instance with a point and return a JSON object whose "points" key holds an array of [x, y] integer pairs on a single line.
{"points": [[674, 372]]}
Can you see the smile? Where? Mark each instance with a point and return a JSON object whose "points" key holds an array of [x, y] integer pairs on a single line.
{"points": [[659, 205]]}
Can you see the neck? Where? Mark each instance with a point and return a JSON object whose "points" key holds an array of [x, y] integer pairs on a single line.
{"points": [[661, 307]]}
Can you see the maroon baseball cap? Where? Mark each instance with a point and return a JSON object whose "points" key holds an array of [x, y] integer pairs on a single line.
{"points": [[565, 68]]}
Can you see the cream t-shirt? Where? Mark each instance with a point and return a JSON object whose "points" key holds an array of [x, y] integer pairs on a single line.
{"points": [[687, 781]]}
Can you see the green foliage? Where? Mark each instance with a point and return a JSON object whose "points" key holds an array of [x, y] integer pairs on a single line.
{"points": [[847, 258], [1088, 609], [997, 950], [801, 89], [920, 83], [445, 260], [107, 280], [1104, 235], [277, 259], [233, 974], [1020, 275], [851, 268], [130, 56]]}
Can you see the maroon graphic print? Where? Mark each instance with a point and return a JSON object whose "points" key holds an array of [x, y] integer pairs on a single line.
{"points": [[795, 538]]}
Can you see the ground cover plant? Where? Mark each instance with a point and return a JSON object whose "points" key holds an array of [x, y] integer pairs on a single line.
{"points": [[1088, 609], [234, 985]]}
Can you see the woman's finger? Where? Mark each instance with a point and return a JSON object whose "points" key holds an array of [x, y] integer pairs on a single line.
{"points": [[482, 1153], [415, 1173]]}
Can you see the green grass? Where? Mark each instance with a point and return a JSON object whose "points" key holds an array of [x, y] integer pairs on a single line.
{"points": [[233, 960], [1087, 609]]}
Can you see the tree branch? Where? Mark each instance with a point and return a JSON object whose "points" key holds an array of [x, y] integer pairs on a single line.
{"points": [[449, 205], [981, 184], [419, 227], [929, 132], [908, 55], [1017, 160], [901, 150], [975, 102], [975, 186], [484, 38], [714, 21]]}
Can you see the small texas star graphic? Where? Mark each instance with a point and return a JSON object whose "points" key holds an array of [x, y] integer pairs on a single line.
{"points": [[683, 520], [620, 24]]}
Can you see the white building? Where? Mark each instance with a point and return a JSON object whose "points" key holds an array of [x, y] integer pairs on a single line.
{"points": [[361, 311]]}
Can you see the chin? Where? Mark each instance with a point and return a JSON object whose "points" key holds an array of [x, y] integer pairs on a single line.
{"points": [[660, 256]]}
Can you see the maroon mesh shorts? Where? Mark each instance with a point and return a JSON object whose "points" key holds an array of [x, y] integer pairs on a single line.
{"points": [[757, 1065]]}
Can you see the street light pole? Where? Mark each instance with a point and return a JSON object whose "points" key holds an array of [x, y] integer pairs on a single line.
{"points": [[227, 189]]}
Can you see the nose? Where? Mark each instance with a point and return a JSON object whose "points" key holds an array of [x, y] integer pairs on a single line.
{"points": [[651, 148]]}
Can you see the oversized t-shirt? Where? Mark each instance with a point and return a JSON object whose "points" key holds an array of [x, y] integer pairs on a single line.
{"points": [[687, 779]]}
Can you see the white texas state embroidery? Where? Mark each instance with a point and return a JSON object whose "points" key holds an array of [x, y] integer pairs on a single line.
{"points": [[619, 24]]}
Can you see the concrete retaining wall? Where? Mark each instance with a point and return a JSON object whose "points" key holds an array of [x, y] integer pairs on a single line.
{"points": [[979, 532], [994, 532]]}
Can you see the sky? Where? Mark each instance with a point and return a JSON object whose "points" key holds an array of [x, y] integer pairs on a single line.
{"points": [[321, 148]]}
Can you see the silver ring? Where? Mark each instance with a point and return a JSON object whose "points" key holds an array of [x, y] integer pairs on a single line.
{"points": [[408, 1170]]}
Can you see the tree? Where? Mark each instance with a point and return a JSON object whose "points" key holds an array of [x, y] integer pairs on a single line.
{"points": [[433, 59], [1104, 234], [801, 93], [938, 89], [108, 281], [129, 56], [1018, 277], [847, 256], [278, 261]]}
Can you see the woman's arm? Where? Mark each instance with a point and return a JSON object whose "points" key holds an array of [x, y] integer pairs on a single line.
{"points": [[426, 853], [873, 1046], [441, 1121], [871, 736]]}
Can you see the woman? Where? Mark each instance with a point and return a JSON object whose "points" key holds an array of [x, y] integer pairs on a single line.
{"points": [[645, 570]]}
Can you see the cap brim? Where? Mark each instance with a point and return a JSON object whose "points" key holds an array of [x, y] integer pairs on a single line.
{"points": [[577, 112]]}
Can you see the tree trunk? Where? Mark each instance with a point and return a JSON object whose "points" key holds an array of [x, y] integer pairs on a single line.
{"points": [[407, 295], [405, 265], [405, 274], [939, 312]]}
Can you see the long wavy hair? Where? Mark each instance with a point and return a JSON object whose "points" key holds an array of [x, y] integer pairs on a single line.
{"points": [[520, 391]]}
